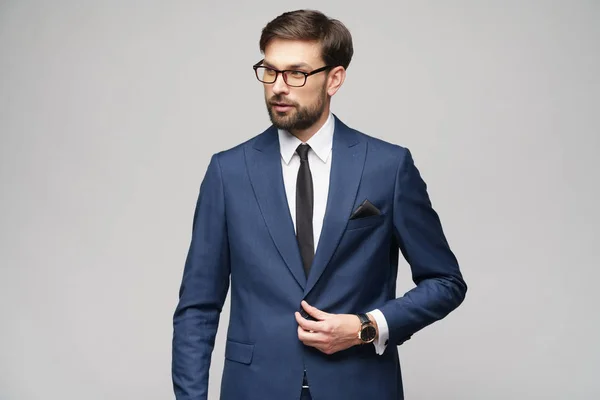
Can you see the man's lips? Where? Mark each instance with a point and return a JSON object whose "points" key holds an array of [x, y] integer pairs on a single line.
{"points": [[281, 106]]}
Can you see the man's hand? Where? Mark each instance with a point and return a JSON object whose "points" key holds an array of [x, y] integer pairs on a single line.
{"points": [[330, 333]]}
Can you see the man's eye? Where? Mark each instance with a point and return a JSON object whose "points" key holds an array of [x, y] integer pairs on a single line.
{"points": [[269, 72], [296, 74]]}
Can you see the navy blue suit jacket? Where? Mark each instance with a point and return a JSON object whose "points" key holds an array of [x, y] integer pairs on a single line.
{"points": [[243, 238]]}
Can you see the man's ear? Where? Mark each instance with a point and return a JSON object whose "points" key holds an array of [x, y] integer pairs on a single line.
{"points": [[335, 80]]}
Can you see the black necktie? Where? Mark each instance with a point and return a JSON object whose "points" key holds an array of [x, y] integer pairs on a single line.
{"points": [[304, 209]]}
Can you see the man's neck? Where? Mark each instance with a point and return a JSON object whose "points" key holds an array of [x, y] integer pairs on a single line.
{"points": [[306, 134]]}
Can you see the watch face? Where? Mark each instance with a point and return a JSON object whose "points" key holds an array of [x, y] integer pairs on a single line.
{"points": [[368, 333]]}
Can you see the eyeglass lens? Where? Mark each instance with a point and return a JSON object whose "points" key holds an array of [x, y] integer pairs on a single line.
{"points": [[292, 78]]}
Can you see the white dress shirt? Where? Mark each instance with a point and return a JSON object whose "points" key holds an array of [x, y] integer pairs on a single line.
{"points": [[319, 160]]}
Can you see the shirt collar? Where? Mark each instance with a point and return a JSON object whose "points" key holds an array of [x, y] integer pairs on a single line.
{"points": [[320, 142]]}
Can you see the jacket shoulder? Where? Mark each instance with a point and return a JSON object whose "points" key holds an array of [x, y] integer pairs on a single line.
{"points": [[380, 146], [235, 154]]}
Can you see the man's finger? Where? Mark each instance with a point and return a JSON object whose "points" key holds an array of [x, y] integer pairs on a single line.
{"points": [[306, 324], [314, 339], [306, 337], [313, 311]]}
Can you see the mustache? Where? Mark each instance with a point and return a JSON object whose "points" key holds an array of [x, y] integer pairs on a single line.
{"points": [[281, 100]]}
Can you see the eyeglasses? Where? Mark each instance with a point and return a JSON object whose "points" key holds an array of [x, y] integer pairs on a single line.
{"points": [[291, 77]]}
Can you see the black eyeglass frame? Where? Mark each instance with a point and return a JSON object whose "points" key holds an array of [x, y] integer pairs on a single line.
{"points": [[282, 72]]}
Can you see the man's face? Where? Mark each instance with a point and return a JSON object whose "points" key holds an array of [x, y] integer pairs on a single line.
{"points": [[295, 108]]}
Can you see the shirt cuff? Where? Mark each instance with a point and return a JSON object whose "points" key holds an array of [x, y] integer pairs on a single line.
{"points": [[382, 327]]}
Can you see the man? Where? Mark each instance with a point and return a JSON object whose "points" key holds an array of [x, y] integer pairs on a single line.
{"points": [[308, 219]]}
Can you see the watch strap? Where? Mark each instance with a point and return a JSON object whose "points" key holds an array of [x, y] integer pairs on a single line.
{"points": [[364, 319]]}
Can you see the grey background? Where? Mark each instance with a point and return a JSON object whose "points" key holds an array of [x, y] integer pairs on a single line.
{"points": [[110, 110]]}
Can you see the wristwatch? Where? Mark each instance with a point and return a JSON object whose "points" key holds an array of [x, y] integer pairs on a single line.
{"points": [[367, 331]]}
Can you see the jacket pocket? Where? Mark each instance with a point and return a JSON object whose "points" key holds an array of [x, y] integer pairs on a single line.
{"points": [[365, 222], [239, 352]]}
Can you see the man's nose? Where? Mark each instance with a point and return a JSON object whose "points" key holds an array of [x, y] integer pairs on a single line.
{"points": [[279, 86]]}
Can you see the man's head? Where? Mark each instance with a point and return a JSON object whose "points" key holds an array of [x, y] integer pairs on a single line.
{"points": [[305, 41]]}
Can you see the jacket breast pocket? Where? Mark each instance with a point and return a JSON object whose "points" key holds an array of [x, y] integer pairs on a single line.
{"points": [[365, 222], [239, 352]]}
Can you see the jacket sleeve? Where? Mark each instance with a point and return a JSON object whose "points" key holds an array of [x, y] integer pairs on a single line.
{"points": [[203, 290], [440, 287]]}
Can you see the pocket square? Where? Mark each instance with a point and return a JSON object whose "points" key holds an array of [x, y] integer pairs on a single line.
{"points": [[366, 209]]}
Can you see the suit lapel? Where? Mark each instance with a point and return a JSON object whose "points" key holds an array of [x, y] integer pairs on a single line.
{"points": [[263, 161], [348, 158]]}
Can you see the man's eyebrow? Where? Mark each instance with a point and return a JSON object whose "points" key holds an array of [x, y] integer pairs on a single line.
{"points": [[293, 66]]}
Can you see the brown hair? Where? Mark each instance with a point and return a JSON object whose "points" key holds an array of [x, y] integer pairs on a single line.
{"points": [[334, 37]]}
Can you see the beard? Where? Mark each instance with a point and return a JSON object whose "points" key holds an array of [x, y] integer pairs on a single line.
{"points": [[298, 118]]}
